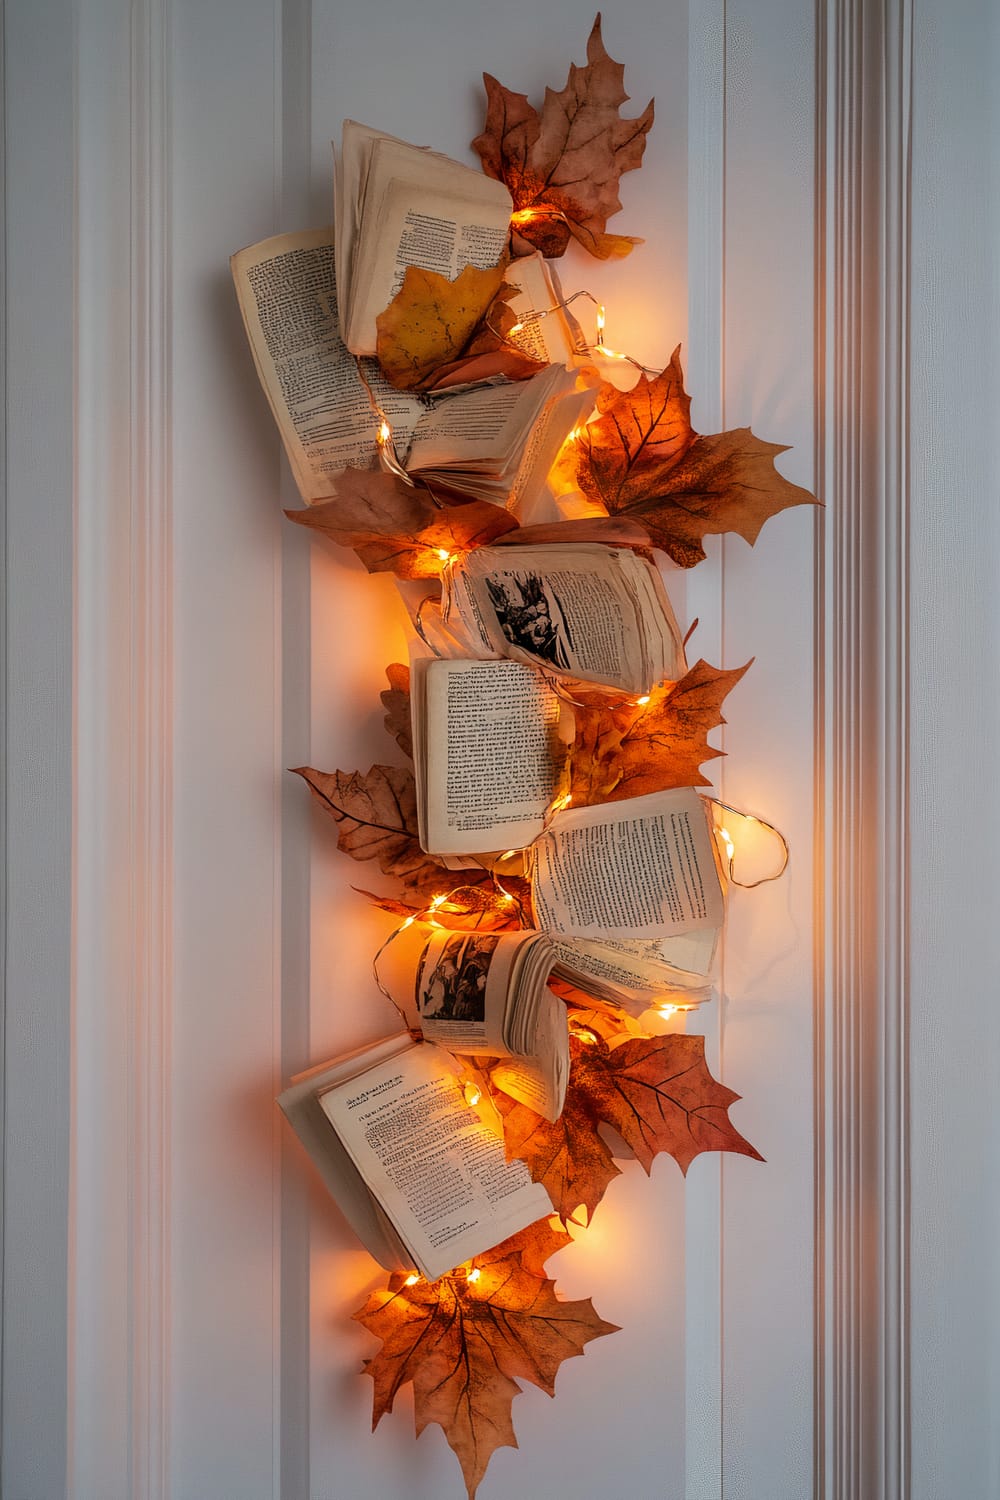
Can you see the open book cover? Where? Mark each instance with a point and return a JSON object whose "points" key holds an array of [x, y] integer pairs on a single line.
{"points": [[600, 614], [398, 205], [424, 1183], [485, 994], [495, 442]]}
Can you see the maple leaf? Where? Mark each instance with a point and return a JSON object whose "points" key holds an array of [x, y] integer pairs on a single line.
{"points": [[464, 1342], [400, 528], [627, 749], [640, 457], [470, 907], [376, 814], [655, 1091], [562, 166], [396, 702], [430, 320], [491, 351]]}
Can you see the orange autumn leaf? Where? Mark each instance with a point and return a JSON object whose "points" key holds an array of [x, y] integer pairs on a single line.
{"points": [[376, 816], [628, 749], [430, 321], [568, 1156], [562, 164], [396, 702], [641, 458], [655, 1091], [400, 528], [492, 350], [464, 1341]]}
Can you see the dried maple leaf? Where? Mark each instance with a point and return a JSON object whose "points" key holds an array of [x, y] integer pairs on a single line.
{"points": [[396, 702], [640, 457], [376, 814], [470, 907], [562, 165], [401, 528], [491, 351], [568, 1156], [628, 749], [656, 1092], [430, 321], [464, 1341]]}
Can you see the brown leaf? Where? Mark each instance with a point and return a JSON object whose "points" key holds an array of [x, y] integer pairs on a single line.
{"points": [[568, 1156], [492, 350], [636, 436], [396, 701], [562, 165], [641, 458], [656, 1092], [610, 531], [464, 1343], [376, 815], [628, 749], [474, 906], [400, 528], [430, 321]]}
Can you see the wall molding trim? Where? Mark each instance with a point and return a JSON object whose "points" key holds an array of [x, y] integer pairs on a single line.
{"points": [[120, 1185], [862, 1255]]}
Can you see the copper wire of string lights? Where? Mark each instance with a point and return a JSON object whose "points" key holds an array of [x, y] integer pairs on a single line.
{"points": [[731, 851]]}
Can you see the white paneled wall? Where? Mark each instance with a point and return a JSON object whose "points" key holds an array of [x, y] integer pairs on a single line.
{"points": [[818, 204]]}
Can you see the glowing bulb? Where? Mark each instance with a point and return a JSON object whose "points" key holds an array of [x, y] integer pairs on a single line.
{"points": [[516, 328], [727, 841], [411, 1280], [384, 433], [641, 702], [522, 216], [576, 434], [473, 1093], [437, 901], [600, 321], [408, 923], [666, 1011], [506, 899], [585, 1036], [443, 554], [474, 1274]]}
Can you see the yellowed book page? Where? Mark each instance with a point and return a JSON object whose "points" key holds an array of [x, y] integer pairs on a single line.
{"points": [[288, 297]]}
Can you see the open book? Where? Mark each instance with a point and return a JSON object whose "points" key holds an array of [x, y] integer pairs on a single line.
{"points": [[484, 753], [397, 205], [485, 994], [496, 442], [423, 1182], [597, 613]]}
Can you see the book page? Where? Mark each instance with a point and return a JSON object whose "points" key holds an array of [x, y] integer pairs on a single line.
{"points": [[472, 425], [490, 767], [462, 991], [419, 208], [288, 297], [547, 332], [440, 1174], [641, 868], [571, 609]]}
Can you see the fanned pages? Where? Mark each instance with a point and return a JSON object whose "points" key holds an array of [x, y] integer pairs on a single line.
{"points": [[424, 1183], [492, 443], [645, 867], [486, 995], [596, 613], [400, 205], [287, 293]]}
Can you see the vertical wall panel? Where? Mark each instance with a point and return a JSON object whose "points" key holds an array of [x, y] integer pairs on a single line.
{"points": [[954, 1038]]}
